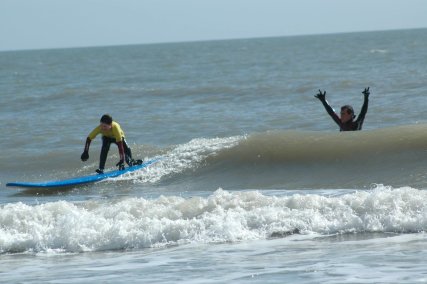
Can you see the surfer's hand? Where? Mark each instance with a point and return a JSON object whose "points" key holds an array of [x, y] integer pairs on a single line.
{"points": [[366, 92], [85, 156], [121, 165], [321, 96]]}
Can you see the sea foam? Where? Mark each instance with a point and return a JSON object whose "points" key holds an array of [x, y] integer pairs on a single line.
{"points": [[134, 223]]}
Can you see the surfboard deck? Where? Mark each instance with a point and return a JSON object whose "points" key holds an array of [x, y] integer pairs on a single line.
{"points": [[81, 180]]}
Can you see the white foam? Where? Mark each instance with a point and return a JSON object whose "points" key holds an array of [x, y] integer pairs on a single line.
{"points": [[181, 158], [221, 217]]}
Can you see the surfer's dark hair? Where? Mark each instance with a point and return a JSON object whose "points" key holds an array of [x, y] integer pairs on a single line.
{"points": [[349, 109], [107, 119]]}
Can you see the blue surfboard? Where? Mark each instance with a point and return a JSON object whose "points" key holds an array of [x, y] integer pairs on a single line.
{"points": [[81, 180]]}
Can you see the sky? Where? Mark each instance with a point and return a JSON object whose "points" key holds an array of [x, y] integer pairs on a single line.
{"points": [[40, 24]]}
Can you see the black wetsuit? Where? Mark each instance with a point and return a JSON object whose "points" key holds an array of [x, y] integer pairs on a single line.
{"points": [[351, 125]]}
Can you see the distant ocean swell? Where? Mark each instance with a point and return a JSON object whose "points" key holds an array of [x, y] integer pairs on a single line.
{"points": [[288, 159], [135, 223]]}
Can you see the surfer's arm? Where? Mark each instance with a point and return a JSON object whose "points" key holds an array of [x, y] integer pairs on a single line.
{"points": [[94, 132], [364, 109], [330, 110], [92, 135], [322, 97], [87, 144], [85, 155]]}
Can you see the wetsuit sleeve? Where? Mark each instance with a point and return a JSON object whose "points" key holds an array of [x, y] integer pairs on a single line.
{"points": [[364, 109], [363, 112], [331, 112], [95, 132], [87, 144]]}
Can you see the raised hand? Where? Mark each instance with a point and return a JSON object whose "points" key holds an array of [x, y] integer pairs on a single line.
{"points": [[321, 96], [366, 92]]}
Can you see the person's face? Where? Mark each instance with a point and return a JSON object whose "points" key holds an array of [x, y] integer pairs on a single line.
{"points": [[346, 115], [105, 127]]}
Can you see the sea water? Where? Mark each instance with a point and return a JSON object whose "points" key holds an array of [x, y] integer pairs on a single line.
{"points": [[256, 184]]}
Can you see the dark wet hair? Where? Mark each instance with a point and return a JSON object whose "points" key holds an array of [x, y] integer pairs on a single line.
{"points": [[107, 119], [349, 109]]}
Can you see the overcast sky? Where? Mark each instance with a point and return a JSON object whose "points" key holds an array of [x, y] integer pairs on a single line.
{"points": [[35, 24]]}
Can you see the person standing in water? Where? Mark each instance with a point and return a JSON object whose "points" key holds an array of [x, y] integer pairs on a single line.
{"points": [[346, 121], [111, 133]]}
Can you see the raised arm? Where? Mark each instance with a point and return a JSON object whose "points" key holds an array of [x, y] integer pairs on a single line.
{"points": [[322, 97], [364, 109]]}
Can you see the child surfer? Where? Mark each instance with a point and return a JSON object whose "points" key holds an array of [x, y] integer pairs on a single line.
{"points": [[111, 133]]}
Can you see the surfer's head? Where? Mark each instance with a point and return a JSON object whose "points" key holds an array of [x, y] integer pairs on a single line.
{"points": [[347, 113], [106, 122], [107, 119]]}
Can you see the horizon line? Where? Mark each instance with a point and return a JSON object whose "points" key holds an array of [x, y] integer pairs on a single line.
{"points": [[207, 40]]}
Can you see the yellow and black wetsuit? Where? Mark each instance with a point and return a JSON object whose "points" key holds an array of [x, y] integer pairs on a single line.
{"points": [[113, 135], [115, 132]]}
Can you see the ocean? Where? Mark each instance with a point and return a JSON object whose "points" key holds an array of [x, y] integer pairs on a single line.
{"points": [[256, 184]]}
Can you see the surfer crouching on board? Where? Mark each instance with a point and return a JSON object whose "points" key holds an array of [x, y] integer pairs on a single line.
{"points": [[111, 133], [346, 120]]}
